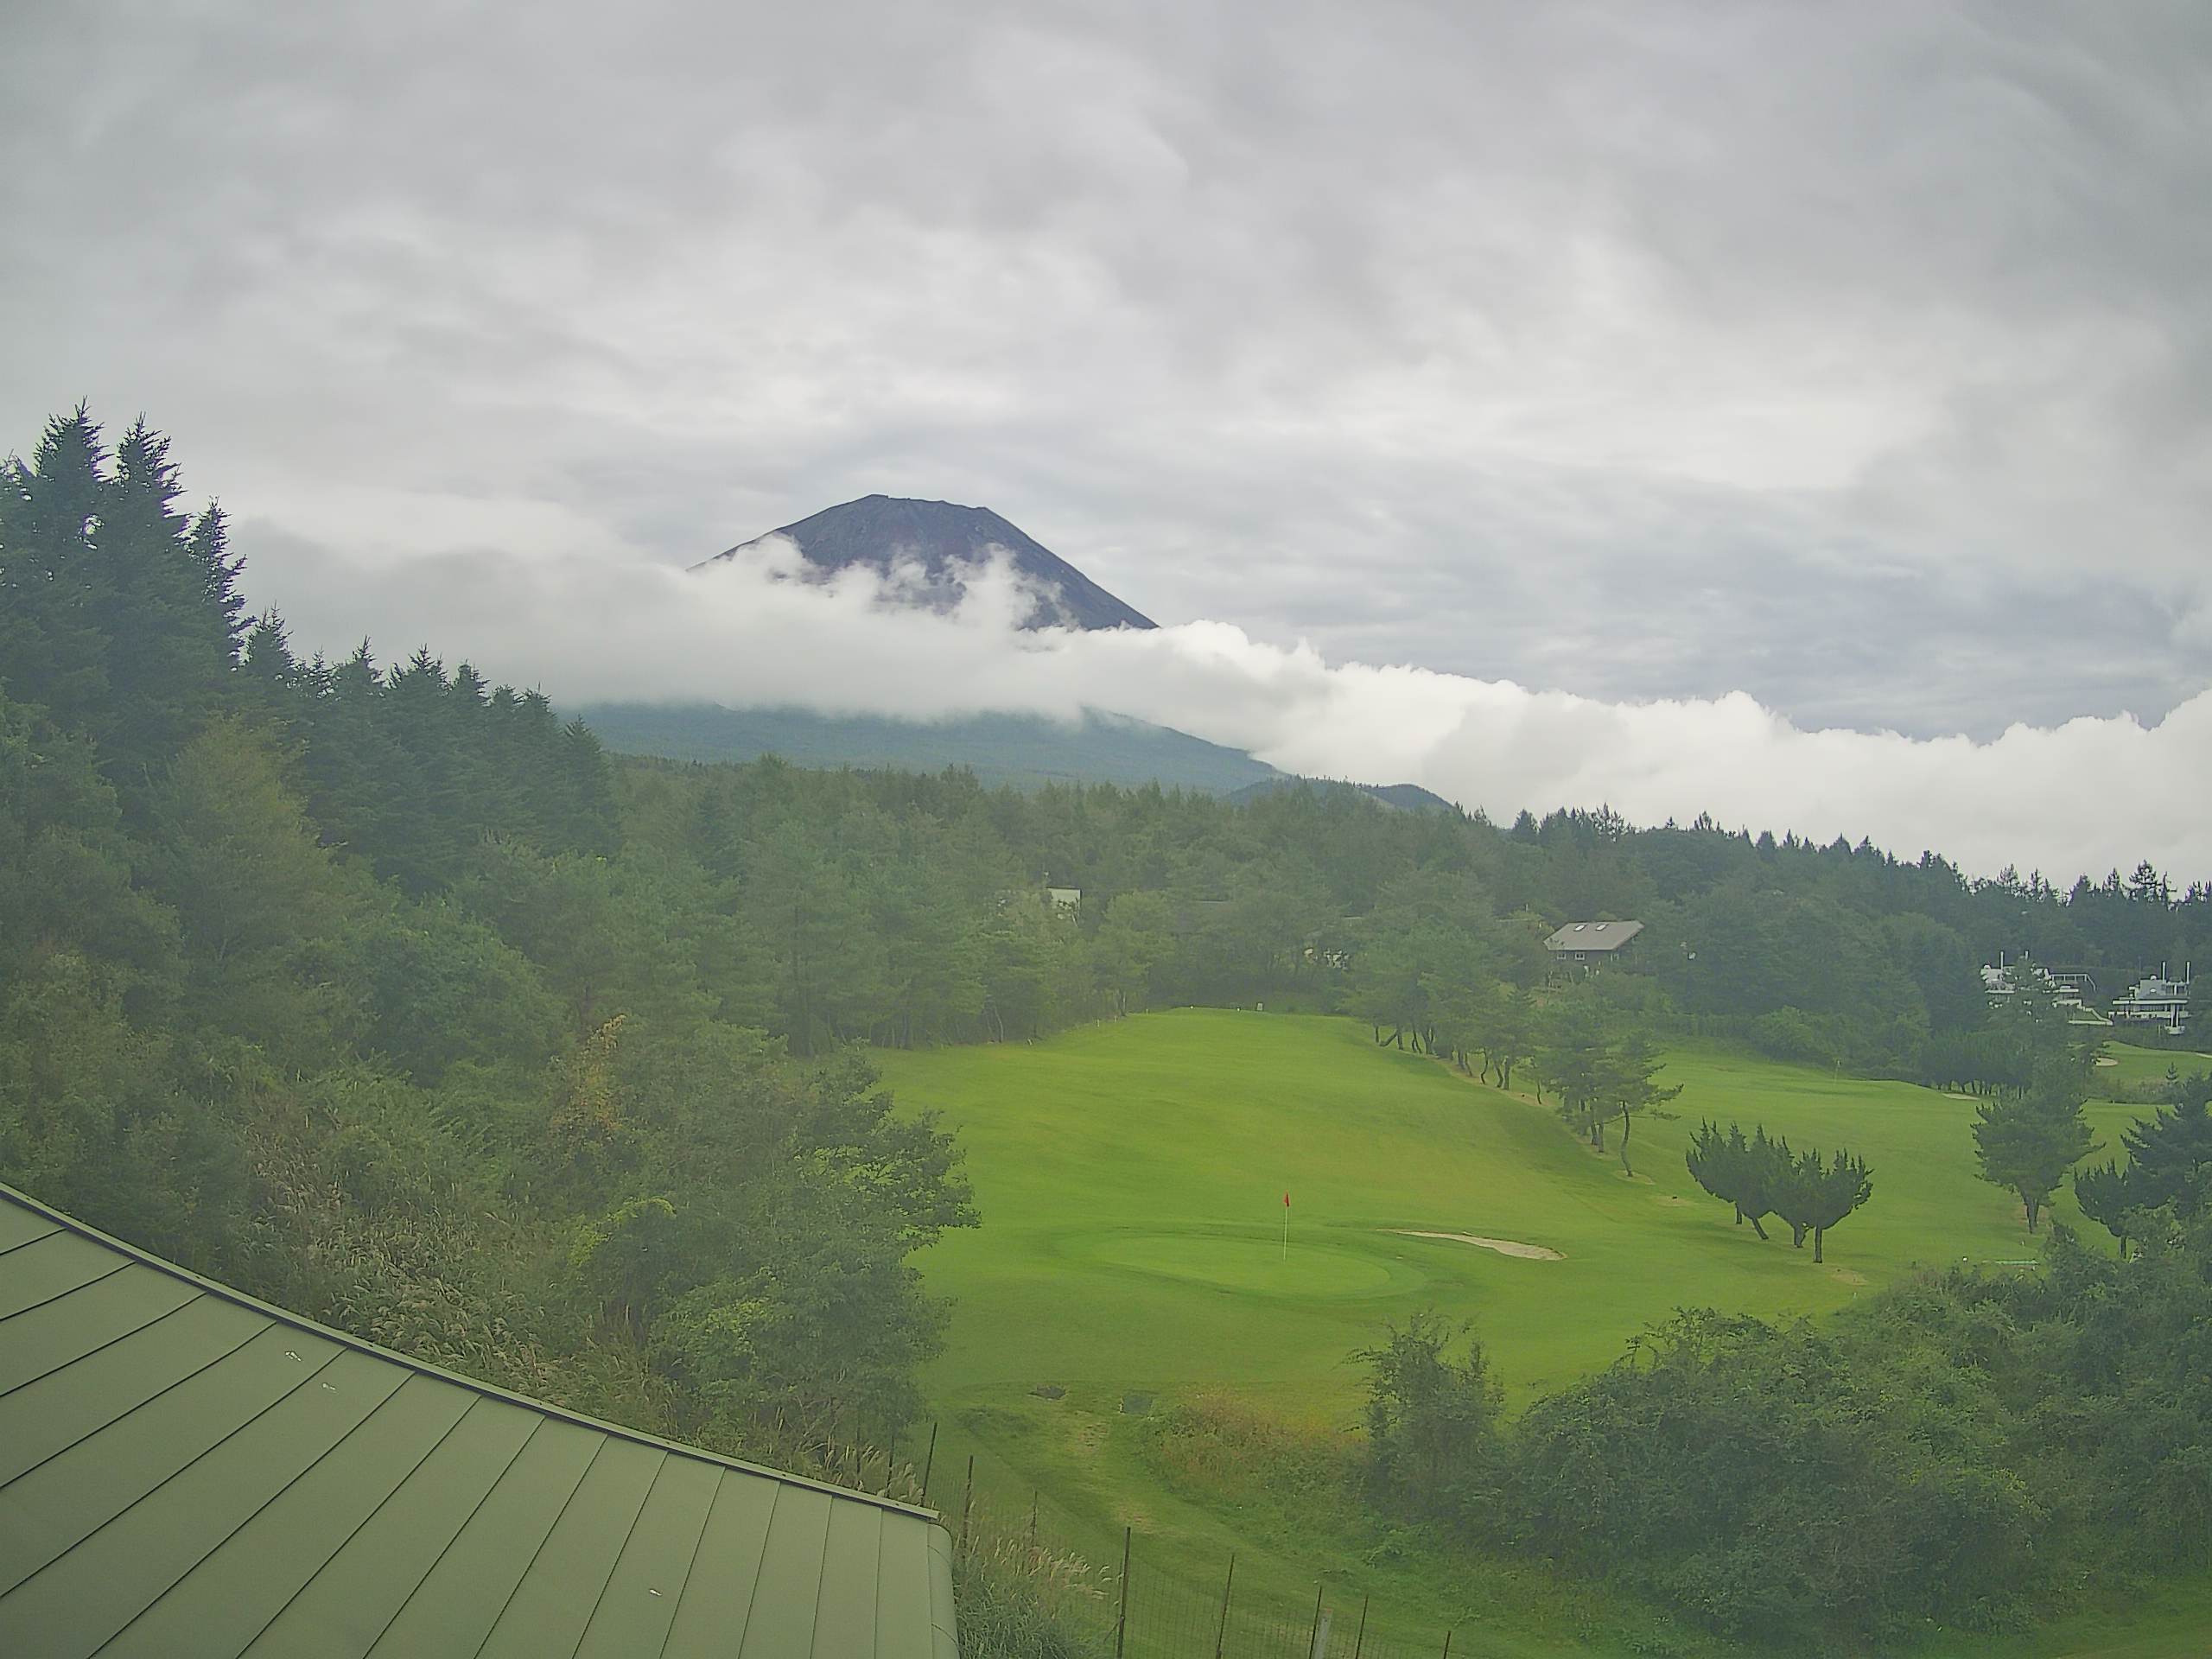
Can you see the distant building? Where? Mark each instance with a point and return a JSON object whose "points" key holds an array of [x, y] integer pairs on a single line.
{"points": [[1067, 900], [2155, 1000], [2070, 991], [1585, 944]]}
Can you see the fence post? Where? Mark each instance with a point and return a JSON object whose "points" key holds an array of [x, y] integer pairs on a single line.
{"points": [[929, 1463], [1359, 1642], [1122, 1616], [1313, 1636], [1221, 1633], [967, 1503]]}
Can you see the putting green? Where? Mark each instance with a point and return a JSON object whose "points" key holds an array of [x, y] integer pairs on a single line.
{"points": [[1130, 1179], [1256, 1266]]}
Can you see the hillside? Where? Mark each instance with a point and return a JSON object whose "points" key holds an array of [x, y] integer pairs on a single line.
{"points": [[1408, 797], [1025, 751], [881, 532]]}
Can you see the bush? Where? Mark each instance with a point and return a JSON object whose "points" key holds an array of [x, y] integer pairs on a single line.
{"points": [[1965, 1449], [1792, 1034], [1432, 1421]]}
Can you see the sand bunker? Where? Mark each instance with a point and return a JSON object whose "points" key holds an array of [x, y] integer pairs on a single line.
{"points": [[1503, 1246]]}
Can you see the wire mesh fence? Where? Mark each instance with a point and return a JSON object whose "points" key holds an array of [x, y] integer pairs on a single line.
{"points": [[1133, 1604]]}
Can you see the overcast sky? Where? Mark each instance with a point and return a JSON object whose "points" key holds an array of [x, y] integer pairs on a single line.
{"points": [[1853, 359]]}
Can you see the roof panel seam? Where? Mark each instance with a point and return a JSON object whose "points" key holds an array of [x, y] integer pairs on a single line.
{"points": [[683, 1584], [190, 1463], [515, 1589], [301, 1588], [143, 1324], [821, 1577], [82, 1284], [9, 1250], [614, 1563], [304, 1471], [139, 1407], [407, 1601], [760, 1563]]}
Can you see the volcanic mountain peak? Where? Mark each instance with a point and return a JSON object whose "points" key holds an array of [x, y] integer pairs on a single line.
{"points": [[938, 537]]}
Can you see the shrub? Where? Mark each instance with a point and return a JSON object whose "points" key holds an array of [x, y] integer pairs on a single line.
{"points": [[1432, 1421]]}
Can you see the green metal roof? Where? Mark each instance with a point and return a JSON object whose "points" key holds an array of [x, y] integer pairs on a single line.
{"points": [[185, 1471]]}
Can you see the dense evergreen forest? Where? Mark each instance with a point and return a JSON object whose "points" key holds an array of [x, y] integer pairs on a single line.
{"points": [[378, 991], [342, 985]]}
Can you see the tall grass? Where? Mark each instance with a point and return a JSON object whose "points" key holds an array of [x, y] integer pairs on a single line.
{"points": [[1016, 1600]]}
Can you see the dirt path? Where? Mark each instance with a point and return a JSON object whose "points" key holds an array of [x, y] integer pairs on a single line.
{"points": [[1503, 1246]]}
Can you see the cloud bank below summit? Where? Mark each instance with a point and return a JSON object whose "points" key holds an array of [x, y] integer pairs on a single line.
{"points": [[2085, 796]]}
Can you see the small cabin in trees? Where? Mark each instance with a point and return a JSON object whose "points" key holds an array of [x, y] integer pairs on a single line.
{"points": [[1585, 945]]}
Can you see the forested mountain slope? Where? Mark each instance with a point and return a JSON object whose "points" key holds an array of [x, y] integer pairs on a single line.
{"points": [[1025, 751]]}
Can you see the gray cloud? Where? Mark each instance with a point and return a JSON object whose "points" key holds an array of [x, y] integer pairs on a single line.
{"points": [[587, 629], [1850, 357]]}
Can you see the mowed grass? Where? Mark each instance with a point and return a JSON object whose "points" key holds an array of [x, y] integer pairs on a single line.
{"points": [[2131, 1065], [1130, 1178]]}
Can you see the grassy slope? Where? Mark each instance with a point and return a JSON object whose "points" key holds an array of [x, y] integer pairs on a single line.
{"points": [[2132, 1064], [1131, 1178]]}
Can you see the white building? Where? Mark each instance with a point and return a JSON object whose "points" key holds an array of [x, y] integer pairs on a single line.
{"points": [[2156, 1000], [2068, 991]]}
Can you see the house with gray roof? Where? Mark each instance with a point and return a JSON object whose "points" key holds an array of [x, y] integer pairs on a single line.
{"points": [[1585, 945]]}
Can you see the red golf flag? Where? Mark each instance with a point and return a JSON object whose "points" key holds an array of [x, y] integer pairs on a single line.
{"points": [[1286, 1200]]}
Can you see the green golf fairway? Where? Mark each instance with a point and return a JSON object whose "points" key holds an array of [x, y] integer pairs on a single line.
{"points": [[2134, 1066], [1130, 1178], [1255, 1267]]}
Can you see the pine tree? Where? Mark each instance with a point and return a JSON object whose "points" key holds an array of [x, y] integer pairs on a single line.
{"points": [[54, 589], [2027, 1144], [2171, 1156], [2109, 1195], [1821, 1193], [1630, 1086], [168, 611]]}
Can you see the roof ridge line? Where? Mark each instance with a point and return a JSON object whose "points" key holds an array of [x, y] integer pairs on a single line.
{"points": [[300, 1322]]}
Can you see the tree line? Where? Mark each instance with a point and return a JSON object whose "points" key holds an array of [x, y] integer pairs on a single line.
{"points": [[352, 986]]}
